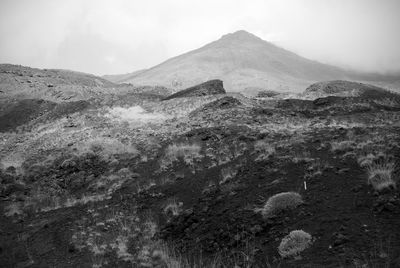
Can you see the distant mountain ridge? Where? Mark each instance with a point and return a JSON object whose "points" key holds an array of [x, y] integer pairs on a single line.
{"points": [[245, 62], [340, 88], [18, 81]]}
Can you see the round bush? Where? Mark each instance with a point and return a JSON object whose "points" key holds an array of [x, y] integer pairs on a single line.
{"points": [[281, 201], [294, 243]]}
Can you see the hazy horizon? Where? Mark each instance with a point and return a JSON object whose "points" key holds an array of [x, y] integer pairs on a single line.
{"points": [[104, 37]]}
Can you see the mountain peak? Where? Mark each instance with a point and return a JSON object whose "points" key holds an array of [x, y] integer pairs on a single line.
{"points": [[241, 35]]}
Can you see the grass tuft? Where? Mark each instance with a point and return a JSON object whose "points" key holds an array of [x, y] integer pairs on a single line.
{"points": [[294, 243], [280, 202], [380, 174]]}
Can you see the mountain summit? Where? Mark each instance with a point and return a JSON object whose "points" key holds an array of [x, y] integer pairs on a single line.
{"points": [[241, 35], [244, 62]]}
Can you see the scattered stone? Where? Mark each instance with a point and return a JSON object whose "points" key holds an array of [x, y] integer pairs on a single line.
{"points": [[340, 239]]}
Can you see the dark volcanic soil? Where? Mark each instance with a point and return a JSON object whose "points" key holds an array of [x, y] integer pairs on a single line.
{"points": [[22, 112]]}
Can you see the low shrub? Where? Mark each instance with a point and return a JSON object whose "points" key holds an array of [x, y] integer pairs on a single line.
{"points": [[280, 202], [294, 243]]}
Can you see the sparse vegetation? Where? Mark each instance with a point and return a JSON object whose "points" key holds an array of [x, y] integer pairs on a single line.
{"points": [[281, 202], [294, 243]]}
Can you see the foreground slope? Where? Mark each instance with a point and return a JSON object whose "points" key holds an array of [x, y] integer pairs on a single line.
{"points": [[137, 181], [245, 63]]}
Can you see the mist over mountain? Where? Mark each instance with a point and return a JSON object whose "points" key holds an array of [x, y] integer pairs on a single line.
{"points": [[246, 63]]}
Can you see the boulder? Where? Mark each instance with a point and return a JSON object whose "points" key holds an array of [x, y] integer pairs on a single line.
{"points": [[211, 87]]}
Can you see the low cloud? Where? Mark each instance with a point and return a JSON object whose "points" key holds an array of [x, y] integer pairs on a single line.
{"points": [[105, 37]]}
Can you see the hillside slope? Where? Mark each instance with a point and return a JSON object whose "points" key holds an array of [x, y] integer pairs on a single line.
{"points": [[120, 78]]}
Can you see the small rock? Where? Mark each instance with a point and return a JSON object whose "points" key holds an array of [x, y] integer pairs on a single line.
{"points": [[71, 248], [356, 189], [340, 239]]}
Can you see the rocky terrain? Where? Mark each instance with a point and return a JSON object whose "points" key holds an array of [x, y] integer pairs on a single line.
{"points": [[107, 175]]}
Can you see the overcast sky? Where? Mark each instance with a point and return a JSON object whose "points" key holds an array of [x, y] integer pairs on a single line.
{"points": [[120, 36]]}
